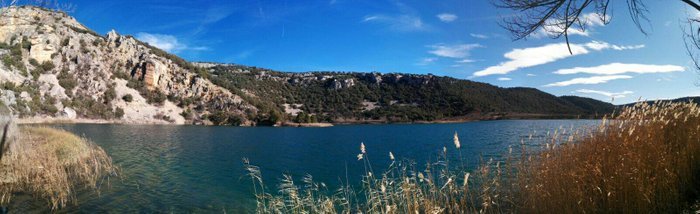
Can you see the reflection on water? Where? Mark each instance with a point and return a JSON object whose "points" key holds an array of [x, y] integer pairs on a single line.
{"points": [[199, 169]]}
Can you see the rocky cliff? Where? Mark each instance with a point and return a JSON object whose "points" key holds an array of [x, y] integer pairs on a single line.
{"points": [[54, 67]]}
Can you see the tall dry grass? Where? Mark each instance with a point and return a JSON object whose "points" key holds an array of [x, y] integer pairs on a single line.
{"points": [[644, 159], [51, 164]]}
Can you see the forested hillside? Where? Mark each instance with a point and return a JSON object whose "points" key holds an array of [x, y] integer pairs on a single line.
{"points": [[376, 97]]}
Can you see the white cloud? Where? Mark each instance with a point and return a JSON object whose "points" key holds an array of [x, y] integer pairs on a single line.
{"points": [[589, 80], [479, 36], [531, 75], [554, 28], [598, 45], [447, 17], [403, 22], [606, 93], [453, 51], [466, 61], [533, 56], [504, 79], [621, 68], [167, 43], [427, 61], [528, 57]]}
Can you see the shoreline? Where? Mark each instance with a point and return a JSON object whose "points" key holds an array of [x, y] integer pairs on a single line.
{"points": [[465, 119]]}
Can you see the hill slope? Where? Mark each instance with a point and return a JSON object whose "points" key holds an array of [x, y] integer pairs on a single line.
{"points": [[368, 97], [53, 67]]}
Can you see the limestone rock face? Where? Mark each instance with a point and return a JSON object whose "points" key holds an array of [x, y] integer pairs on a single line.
{"points": [[81, 71], [42, 47], [69, 113]]}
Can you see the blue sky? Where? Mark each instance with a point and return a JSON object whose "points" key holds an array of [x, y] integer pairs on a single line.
{"points": [[455, 38]]}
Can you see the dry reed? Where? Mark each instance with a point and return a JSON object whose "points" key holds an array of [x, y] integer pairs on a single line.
{"points": [[644, 159], [52, 164]]}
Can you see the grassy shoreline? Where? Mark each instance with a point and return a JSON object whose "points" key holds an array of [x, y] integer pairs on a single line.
{"points": [[646, 158], [51, 164]]}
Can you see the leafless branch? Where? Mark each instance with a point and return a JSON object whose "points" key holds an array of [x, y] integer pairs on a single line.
{"points": [[559, 18]]}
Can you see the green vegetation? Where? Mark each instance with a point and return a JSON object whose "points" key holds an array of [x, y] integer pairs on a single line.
{"points": [[332, 96], [223, 118], [646, 159], [36, 104], [152, 96], [42, 68], [14, 59], [84, 31], [67, 81], [109, 95], [302, 117], [86, 107], [128, 98], [118, 113]]}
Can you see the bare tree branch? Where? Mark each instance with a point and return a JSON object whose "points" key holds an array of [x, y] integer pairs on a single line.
{"points": [[559, 18], [692, 4]]}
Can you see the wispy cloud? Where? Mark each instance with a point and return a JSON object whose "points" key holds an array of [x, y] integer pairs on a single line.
{"points": [[452, 51], [478, 36], [621, 68], [167, 43], [531, 75], [427, 61], [528, 57], [554, 28], [606, 93], [466, 61], [504, 79], [404, 23], [447, 17], [598, 45], [588, 80], [406, 20]]}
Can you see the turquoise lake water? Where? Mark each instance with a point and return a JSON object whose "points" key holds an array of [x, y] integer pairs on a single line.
{"points": [[186, 169]]}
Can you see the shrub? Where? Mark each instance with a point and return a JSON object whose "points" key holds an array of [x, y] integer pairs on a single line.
{"points": [[121, 75], [128, 98], [109, 95], [118, 113], [67, 80], [47, 66], [9, 86], [65, 42], [25, 43], [224, 118], [156, 97], [33, 62], [187, 114], [14, 59]]}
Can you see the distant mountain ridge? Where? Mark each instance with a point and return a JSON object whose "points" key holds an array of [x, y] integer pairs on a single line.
{"points": [[54, 68]]}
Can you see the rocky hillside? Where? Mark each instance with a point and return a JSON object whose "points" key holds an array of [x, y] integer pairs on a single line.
{"points": [[54, 68]]}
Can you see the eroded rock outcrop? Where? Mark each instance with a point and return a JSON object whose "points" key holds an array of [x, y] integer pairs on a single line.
{"points": [[56, 61]]}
